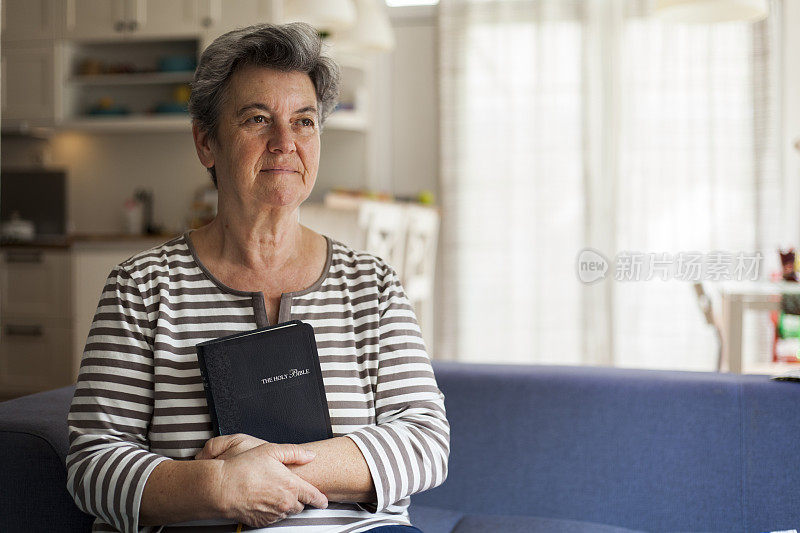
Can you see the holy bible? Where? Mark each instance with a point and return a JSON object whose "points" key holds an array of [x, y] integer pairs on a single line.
{"points": [[266, 383]]}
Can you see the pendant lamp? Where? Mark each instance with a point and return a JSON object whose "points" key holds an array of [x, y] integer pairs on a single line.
{"points": [[327, 16], [710, 11], [372, 30]]}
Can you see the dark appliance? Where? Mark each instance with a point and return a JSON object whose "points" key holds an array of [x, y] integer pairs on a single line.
{"points": [[37, 195]]}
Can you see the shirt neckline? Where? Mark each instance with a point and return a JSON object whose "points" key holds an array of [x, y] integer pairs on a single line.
{"points": [[314, 286]]}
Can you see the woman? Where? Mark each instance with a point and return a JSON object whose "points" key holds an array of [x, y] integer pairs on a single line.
{"points": [[141, 446]]}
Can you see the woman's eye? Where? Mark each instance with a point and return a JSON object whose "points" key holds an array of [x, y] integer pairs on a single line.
{"points": [[258, 119], [307, 122]]}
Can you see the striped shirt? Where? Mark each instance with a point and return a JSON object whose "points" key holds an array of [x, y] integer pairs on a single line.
{"points": [[140, 400]]}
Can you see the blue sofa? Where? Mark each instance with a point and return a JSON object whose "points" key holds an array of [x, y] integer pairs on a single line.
{"points": [[534, 449]]}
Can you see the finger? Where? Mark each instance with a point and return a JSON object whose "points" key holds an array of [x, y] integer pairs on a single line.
{"points": [[291, 454], [309, 494], [204, 451], [216, 446], [297, 508], [230, 452]]}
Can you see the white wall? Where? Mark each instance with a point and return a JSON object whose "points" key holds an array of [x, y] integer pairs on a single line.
{"points": [[415, 105]]}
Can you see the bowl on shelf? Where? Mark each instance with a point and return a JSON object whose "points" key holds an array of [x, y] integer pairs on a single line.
{"points": [[170, 107], [177, 63], [109, 111], [106, 106]]}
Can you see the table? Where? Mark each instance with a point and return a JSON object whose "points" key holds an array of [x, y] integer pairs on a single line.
{"points": [[736, 297]]}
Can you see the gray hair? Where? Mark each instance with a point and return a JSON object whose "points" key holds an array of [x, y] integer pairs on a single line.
{"points": [[286, 47]]}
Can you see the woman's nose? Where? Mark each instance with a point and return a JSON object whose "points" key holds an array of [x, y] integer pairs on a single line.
{"points": [[281, 139]]}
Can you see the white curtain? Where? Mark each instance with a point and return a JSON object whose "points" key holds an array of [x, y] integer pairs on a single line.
{"points": [[569, 124]]}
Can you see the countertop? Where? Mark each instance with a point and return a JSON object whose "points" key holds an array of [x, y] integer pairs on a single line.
{"points": [[88, 238]]}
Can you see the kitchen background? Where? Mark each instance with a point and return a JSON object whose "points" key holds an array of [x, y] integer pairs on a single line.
{"points": [[394, 150], [510, 122], [90, 88]]}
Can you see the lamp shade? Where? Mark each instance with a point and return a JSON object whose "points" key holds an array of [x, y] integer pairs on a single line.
{"points": [[710, 11], [326, 15], [372, 30]]}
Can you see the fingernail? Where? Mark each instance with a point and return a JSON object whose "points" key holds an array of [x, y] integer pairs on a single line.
{"points": [[310, 453]]}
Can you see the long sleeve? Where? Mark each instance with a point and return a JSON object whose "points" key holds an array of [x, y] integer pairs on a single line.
{"points": [[140, 397], [109, 459], [407, 450]]}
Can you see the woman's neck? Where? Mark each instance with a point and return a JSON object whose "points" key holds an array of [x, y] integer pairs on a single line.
{"points": [[271, 241]]}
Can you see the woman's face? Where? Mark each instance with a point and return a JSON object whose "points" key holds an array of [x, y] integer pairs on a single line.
{"points": [[266, 153]]}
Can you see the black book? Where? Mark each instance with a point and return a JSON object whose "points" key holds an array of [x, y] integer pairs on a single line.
{"points": [[266, 383]]}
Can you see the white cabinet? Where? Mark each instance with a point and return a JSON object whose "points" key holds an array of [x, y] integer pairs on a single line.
{"points": [[48, 298], [127, 19], [45, 41], [28, 19], [132, 19], [34, 355], [128, 85], [127, 88], [29, 66], [160, 19], [221, 16], [92, 262], [94, 19], [35, 282], [35, 320], [29, 90]]}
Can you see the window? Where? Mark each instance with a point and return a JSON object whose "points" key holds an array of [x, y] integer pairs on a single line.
{"points": [[573, 124]]}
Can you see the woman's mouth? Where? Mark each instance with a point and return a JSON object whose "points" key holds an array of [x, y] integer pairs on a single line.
{"points": [[279, 170]]}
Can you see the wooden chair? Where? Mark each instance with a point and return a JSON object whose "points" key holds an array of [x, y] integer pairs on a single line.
{"points": [[704, 301], [419, 265]]}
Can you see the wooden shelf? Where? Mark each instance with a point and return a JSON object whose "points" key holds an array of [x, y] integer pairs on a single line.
{"points": [[124, 123], [346, 120], [140, 78]]}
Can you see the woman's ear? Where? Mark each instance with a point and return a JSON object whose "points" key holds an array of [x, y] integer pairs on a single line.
{"points": [[202, 143]]}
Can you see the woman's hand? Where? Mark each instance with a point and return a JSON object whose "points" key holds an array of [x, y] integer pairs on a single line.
{"points": [[255, 486], [228, 446]]}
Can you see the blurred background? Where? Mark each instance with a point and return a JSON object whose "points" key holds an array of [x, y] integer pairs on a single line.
{"points": [[483, 148]]}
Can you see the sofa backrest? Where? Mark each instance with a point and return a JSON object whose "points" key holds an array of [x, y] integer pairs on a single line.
{"points": [[650, 450]]}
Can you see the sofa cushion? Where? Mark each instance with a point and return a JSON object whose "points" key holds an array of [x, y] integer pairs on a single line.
{"points": [[432, 519], [531, 524], [771, 421], [640, 449]]}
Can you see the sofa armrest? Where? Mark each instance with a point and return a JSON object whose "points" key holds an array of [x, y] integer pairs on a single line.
{"points": [[33, 440]]}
